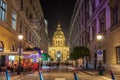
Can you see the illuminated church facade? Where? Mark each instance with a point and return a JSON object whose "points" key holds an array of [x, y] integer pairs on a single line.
{"points": [[59, 51]]}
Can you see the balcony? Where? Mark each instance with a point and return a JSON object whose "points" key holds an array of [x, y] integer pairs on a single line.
{"points": [[16, 4], [22, 13], [34, 23]]}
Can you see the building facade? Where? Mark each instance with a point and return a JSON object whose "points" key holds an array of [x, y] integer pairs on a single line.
{"points": [[59, 51], [93, 17], [22, 17]]}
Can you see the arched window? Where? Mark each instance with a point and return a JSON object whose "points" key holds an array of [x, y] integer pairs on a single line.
{"points": [[12, 48], [1, 46]]}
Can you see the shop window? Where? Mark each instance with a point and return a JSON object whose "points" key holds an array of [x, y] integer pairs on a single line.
{"points": [[3, 9]]}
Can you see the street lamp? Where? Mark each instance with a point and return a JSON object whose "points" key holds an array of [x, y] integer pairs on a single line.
{"points": [[99, 53], [99, 38], [41, 62], [20, 37]]}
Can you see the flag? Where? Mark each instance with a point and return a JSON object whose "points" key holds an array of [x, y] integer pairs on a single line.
{"points": [[40, 75], [7, 75], [75, 76]]}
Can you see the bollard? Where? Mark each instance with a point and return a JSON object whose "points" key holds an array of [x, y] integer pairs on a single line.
{"points": [[112, 75], [75, 75]]}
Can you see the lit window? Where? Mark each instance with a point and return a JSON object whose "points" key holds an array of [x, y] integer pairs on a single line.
{"points": [[2, 10], [13, 23]]}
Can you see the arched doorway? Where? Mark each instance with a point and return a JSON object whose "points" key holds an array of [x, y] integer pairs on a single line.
{"points": [[58, 54]]}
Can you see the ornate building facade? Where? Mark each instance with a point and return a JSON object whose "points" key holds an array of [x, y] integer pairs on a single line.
{"points": [[59, 51], [92, 17], [22, 17]]}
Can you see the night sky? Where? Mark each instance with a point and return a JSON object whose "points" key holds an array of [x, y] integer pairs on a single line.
{"points": [[57, 11]]}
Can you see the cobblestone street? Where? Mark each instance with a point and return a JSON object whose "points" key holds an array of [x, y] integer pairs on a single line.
{"points": [[82, 75]]}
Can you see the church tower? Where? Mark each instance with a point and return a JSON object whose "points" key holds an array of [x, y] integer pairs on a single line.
{"points": [[59, 51], [59, 38]]}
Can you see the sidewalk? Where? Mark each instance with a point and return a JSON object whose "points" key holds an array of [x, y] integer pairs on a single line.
{"points": [[106, 74], [13, 76]]}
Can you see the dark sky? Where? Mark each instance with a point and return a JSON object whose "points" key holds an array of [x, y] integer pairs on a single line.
{"points": [[57, 11]]}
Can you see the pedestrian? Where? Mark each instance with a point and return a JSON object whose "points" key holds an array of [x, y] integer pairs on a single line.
{"points": [[58, 65], [11, 69]]}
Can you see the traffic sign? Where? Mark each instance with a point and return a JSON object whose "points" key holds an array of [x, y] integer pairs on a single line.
{"points": [[100, 55]]}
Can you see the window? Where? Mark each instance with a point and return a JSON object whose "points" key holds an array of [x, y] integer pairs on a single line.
{"points": [[26, 32], [94, 29], [30, 35], [87, 10], [118, 54], [13, 23], [20, 27], [102, 25], [2, 10], [30, 16], [21, 4], [104, 56], [93, 5], [26, 11], [115, 14], [100, 0], [102, 21], [88, 35], [31, 2]]}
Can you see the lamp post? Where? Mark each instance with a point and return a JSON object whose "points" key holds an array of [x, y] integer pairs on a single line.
{"points": [[100, 54], [20, 37], [41, 62]]}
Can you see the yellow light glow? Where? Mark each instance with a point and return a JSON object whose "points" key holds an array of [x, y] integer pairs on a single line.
{"points": [[99, 37], [20, 37]]}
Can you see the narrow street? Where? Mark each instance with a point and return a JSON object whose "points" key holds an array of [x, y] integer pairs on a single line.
{"points": [[67, 75], [63, 73]]}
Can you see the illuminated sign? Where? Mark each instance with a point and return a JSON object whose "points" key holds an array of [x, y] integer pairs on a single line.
{"points": [[11, 57]]}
